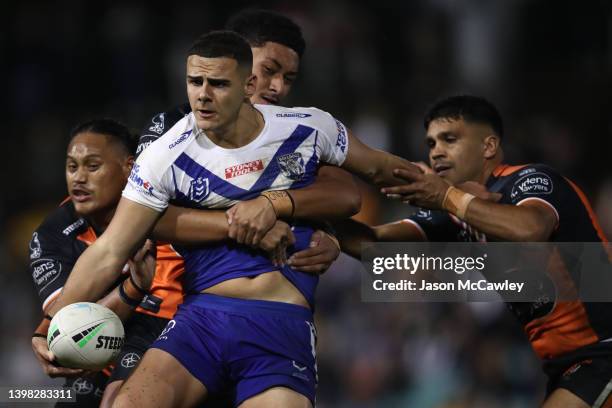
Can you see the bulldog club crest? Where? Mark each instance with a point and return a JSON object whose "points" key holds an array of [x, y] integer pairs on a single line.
{"points": [[199, 189], [292, 165]]}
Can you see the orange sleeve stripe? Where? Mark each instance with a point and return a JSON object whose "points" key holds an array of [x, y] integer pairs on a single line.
{"points": [[505, 170]]}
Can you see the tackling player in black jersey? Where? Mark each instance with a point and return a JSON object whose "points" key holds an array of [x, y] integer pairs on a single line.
{"points": [[526, 203]]}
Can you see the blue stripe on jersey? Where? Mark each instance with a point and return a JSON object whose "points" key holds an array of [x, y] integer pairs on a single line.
{"points": [[310, 169], [290, 145], [232, 192]]}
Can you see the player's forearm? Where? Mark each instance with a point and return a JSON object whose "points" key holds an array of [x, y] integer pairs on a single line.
{"points": [[375, 166], [508, 222], [92, 275], [334, 194], [181, 225], [351, 234]]}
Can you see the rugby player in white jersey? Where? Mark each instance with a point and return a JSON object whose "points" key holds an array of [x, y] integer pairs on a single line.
{"points": [[246, 323], [277, 45]]}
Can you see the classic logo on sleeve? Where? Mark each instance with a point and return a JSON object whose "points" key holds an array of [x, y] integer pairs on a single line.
{"points": [[292, 165], [138, 182], [534, 183], [44, 272], [342, 138], [180, 140], [244, 168], [293, 115], [35, 250]]}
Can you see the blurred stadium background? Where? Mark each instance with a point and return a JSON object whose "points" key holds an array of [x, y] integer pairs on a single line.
{"points": [[376, 65]]}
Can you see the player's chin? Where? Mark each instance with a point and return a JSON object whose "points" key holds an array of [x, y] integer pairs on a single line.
{"points": [[86, 208]]}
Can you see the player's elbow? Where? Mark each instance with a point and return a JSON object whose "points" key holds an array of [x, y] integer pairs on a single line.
{"points": [[533, 231], [352, 201]]}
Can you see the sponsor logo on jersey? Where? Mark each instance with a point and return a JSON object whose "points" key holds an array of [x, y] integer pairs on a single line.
{"points": [[139, 182], [199, 189], [528, 170], [292, 165], [158, 124], [72, 227], [534, 183], [342, 138], [293, 115], [144, 144], [35, 250], [180, 140], [44, 272], [244, 168], [109, 342]]}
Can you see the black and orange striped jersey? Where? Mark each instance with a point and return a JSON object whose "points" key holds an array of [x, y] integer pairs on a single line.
{"points": [[554, 328], [63, 236]]}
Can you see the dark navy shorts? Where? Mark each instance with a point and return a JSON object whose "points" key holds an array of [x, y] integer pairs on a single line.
{"points": [[248, 346]]}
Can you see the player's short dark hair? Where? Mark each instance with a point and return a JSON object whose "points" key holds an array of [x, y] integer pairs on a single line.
{"points": [[223, 43], [470, 108], [109, 127], [260, 26]]}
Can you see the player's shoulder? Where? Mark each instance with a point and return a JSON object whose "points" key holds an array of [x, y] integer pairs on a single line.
{"points": [[161, 123], [530, 177], [62, 224], [525, 170], [308, 116], [172, 142]]}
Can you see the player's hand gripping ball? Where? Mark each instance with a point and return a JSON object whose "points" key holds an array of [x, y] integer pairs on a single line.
{"points": [[85, 335]]}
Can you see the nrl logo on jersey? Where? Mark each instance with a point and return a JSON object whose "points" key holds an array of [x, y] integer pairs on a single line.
{"points": [[292, 165], [200, 189], [158, 124]]}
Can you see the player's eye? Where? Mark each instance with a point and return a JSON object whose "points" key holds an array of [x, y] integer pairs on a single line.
{"points": [[93, 166], [268, 70], [289, 80], [71, 167], [195, 81], [450, 138]]}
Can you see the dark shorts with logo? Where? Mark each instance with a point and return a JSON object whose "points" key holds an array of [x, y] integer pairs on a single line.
{"points": [[140, 331], [88, 390], [586, 372]]}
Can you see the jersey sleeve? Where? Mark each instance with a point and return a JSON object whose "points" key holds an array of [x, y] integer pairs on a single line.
{"points": [[539, 183], [145, 184], [50, 263], [332, 138], [433, 225], [160, 124]]}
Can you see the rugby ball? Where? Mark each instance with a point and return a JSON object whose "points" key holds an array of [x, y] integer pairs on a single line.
{"points": [[85, 335]]}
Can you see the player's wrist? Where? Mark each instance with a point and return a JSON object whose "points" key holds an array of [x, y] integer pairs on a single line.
{"points": [[130, 293], [457, 202], [281, 201], [43, 327]]}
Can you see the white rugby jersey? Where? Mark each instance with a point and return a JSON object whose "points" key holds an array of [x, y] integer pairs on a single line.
{"points": [[185, 166]]}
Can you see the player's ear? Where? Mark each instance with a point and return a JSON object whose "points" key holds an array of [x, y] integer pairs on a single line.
{"points": [[490, 146], [127, 166], [250, 85]]}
